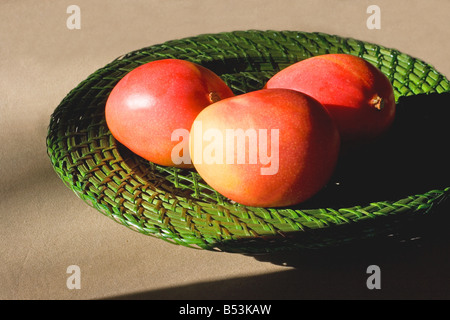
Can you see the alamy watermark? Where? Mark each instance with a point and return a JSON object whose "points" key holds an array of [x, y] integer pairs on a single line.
{"points": [[374, 280], [74, 280], [73, 22], [236, 146], [374, 20]]}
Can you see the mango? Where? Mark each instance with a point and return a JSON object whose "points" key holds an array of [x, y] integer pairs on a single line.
{"points": [[358, 95], [266, 148]]}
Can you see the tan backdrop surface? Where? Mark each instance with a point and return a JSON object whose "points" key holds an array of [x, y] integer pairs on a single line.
{"points": [[44, 227]]}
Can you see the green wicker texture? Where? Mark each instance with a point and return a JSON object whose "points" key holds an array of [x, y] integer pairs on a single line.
{"points": [[178, 206]]}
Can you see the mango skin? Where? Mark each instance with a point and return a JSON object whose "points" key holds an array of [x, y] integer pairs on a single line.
{"points": [[349, 87], [308, 147]]}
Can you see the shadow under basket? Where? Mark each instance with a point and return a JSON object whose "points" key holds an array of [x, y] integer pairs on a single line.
{"points": [[376, 191]]}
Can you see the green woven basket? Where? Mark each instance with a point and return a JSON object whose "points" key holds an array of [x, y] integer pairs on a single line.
{"points": [[364, 199]]}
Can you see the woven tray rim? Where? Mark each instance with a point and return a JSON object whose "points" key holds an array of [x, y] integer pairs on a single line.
{"points": [[220, 216]]}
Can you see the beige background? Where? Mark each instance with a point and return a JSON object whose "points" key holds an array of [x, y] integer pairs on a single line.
{"points": [[44, 227]]}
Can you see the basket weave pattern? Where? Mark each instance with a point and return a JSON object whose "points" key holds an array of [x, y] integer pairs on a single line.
{"points": [[177, 205]]}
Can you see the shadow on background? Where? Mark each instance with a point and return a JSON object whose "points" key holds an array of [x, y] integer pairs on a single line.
{"points": [[411, 273], [414, 266]]}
